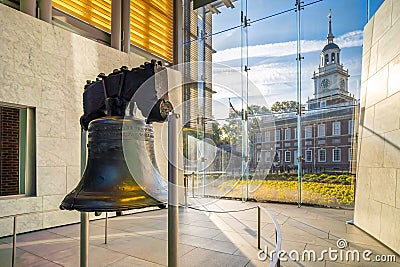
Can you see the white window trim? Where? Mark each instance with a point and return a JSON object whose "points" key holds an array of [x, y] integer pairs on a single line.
{"points": [[350, 127], [286, 156], [305, 153], [319, 158], [277, 135], [267, 136], [258, 138], [319, 132], [333, 155], [305, 132], [333, 128], [288, 134]]}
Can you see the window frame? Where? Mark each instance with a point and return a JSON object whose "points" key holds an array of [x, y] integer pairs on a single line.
{"points": [[310, 154], [337, 123], [319, 155], [333, 154]]}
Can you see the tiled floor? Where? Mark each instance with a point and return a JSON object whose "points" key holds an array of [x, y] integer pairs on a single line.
{"points": [[205, 238]]}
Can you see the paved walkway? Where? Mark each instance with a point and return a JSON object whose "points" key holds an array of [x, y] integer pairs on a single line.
{"points": [[205, 239]]}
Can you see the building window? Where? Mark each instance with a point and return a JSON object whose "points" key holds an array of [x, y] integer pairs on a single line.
{"points": [[258, 138], [321, 130], [322, 155], [277, 156], [277, 135], [267, 136], [350, 129], [287, 134], [308, 132], [326, 59], [322, 104], [258, 155], [336, 128], [295, 133], [333, 57], [308, 156], [287, 156], [337, 157], [13, 151], [267, 156], [151, 22], [351, 155], [295, 159]]}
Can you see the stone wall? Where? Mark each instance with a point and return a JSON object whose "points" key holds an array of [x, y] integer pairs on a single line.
{"points": [[377, 204], [45, 67]]}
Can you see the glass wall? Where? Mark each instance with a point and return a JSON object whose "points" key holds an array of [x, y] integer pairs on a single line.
{"points": [[271, 100]]}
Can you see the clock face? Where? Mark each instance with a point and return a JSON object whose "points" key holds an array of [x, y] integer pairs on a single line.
{"points": [[342, 83], [325, 83]]}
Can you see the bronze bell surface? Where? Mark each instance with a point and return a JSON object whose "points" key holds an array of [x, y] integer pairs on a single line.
{"points": [[121, 171]]}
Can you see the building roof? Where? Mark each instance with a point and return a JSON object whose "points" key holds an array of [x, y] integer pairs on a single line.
{"points": [[330, 46]]}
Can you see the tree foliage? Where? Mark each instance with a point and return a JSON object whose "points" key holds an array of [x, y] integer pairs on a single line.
{"points": [[284, 106]]}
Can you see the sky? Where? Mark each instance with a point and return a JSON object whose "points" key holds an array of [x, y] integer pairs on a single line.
{"points": [[272, 48]]}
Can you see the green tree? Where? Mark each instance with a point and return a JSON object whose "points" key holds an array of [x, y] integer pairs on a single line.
{"points": [[284, 106]]}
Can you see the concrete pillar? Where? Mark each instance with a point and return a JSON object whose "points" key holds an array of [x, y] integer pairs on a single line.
{"points": [[45, 12], [126, 33], [116, 24], [28, 7]]}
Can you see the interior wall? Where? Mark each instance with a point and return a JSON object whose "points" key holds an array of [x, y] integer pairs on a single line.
{"points": [[377, 203], [45, 67]]}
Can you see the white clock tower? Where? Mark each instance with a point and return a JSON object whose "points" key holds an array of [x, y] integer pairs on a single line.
{"points": [[331, 80]]}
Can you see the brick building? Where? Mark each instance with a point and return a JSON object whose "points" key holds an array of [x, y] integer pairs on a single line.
{"points": [[328, 136]]}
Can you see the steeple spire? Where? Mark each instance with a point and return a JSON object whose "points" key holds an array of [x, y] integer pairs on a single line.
{"points": [[330, 34]]}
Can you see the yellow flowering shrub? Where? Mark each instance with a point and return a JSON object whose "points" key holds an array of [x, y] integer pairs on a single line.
{"points": [[327, 194]]}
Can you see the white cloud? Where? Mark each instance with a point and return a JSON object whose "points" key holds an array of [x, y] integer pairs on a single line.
{"points": [[349, 39]]}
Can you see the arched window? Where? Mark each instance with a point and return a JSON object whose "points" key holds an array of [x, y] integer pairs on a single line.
{"points": [[327, 59], [337, 58], [333, 57]]}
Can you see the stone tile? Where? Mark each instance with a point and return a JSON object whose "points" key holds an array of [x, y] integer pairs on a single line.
{"points": [[56, 40], [72, 126], [31, 61], [365, 65], [372, 149], [383, 185], [6, 53], [55, 218], [55, 152], [52, 202], [390, 227], [392, 150], [50, 123], [73, 177], [387, 115], [27, 27], [204, 257], [51, 180], [14, 206], [98, 256], [367, 41], [59, 96], [383, 20], [144, 247], [369, 117], [389, 46], [132, 261], [363, 183], [377, 87], [395, 12], [373, 60], [394, 77], [23, 258], [20, 89]]}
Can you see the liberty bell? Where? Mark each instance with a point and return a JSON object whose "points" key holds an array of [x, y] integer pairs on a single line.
{"points": [[121, 171]]}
